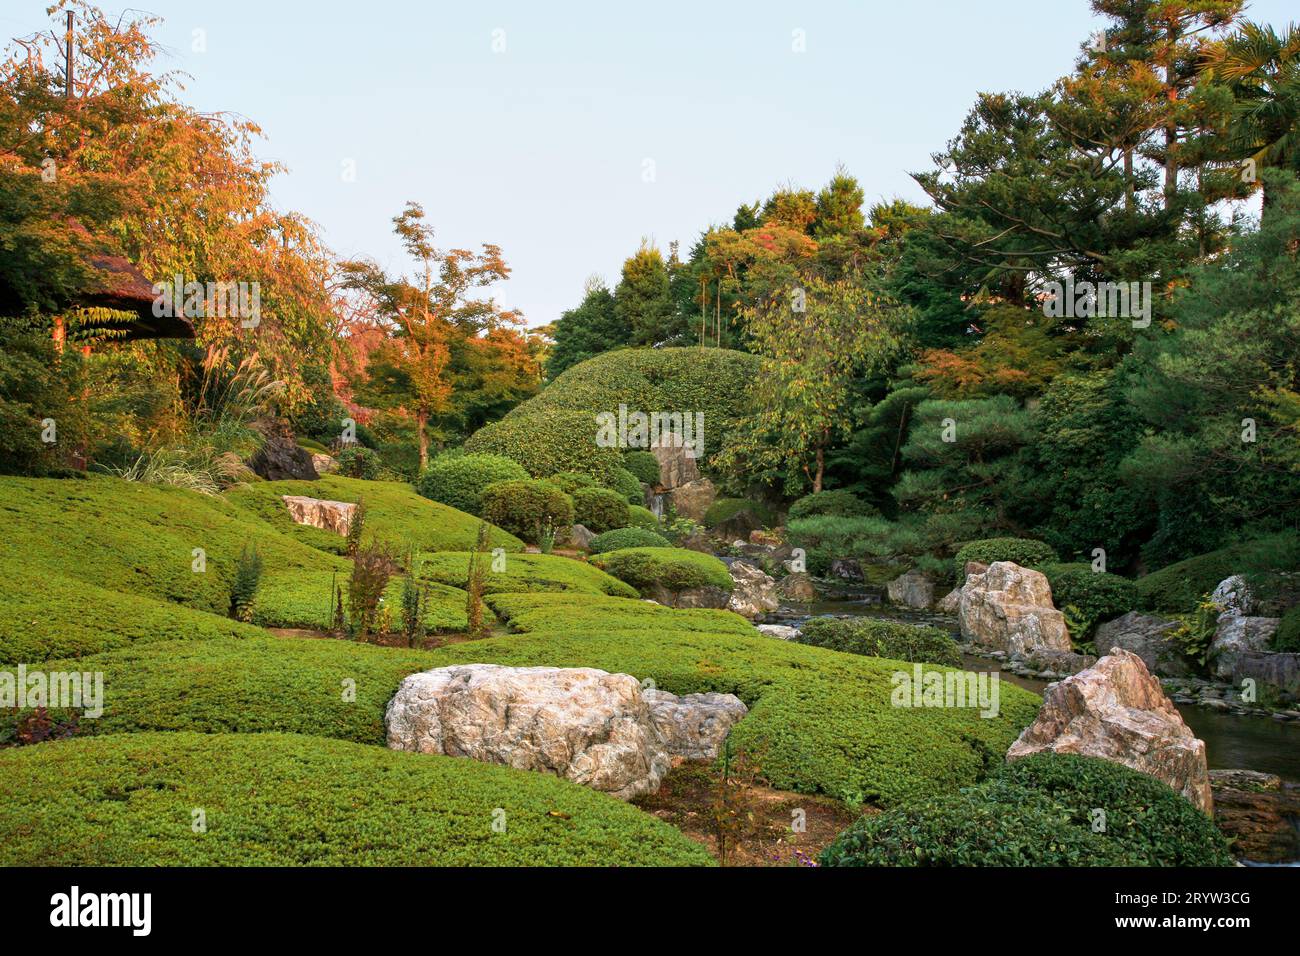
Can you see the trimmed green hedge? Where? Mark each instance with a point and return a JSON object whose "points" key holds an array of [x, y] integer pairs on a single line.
{"points": [[621, 538], [1039, 811], [676, 569], [599, 509], [61, 617], [458, 480], [877, 638], [304, 600], [1025, 552], [1178, 588], [1089, 597], [556, 430], [524, 573], [838, 503], [395, 513], [584, 612], [259, 684], [357, 461], [288, 800], [522, 507], [819, 721]]}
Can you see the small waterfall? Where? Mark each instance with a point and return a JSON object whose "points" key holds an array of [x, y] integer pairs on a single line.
{"points": [[656, 505]]}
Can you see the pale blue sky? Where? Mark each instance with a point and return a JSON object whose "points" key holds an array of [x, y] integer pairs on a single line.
{"points": [[541, 147]]}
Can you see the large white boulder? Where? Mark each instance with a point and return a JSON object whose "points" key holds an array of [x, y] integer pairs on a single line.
{"points": [[1235, 596], [754, 593], [594, 728], [1009, 608], [1117, 711], [333, 516], [1237, 636]]}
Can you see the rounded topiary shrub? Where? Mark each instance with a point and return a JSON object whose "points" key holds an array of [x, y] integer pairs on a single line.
{"points": [[627, 538], [1025, 552], [572, 481], [627, 485], [1039, 812], [876, 638], [548, 442], [599, 509], [1089, 597], [674, 569], [643, 465], [839, 503], [641, 517], [524, 506], [458, 480], [1149, 820], [356, 461]]}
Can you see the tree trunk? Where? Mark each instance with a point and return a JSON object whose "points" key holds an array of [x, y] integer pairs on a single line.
{"points": [[421, 419], [1128, 181], [821, 468]]}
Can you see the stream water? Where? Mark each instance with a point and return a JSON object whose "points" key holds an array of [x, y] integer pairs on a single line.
{"points": [[1231, 742]]}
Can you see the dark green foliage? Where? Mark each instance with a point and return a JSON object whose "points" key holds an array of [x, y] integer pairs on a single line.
{"points": [[968, 457], [827, 537], [643, 465], [401, 459], [1217, 393], [1085, 427], [899, 642], [265, 806], [843, 504], [599, 509], [627, 538], [248, 577], [581, 333], [1094, 596], [1287, 638], [357, 461], [674, 569], [1040, 811], [35, 388], [523, 506], [1022, 551], [724, 509], [458, 480]]}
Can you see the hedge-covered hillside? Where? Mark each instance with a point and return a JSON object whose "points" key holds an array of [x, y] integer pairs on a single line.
{"points": [[394, 513], [288, 800], [556, 431]]}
